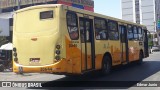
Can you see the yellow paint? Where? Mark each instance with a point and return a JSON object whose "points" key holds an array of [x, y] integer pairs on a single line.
{"points": [[52, 32], [133, 50]]}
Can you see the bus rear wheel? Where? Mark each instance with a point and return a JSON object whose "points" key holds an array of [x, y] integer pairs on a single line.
{"points": [[106, 65]]}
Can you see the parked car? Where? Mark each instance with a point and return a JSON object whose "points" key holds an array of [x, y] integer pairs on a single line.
{"points": [[155, 48]]}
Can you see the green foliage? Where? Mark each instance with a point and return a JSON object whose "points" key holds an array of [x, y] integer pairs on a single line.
{"points": [[150, 43], [150, 39], [150, 36]]}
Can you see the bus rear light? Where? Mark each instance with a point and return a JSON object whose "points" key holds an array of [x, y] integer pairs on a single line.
{"points": [[15, 54], [58, 46], [15, 59], [58, 52], [57, 57], [14, 49]]}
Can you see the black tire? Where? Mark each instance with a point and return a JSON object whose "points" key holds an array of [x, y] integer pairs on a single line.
{"points": [[1, 67], [106, 65], [140, 61]]}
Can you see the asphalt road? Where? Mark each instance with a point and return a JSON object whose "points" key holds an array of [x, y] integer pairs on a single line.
{"points": [[125, 77], [128, 75]]}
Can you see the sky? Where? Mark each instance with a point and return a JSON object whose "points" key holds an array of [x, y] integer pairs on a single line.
{"points": [[108, 7]]}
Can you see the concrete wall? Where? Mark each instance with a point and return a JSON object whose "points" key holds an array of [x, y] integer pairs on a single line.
{"points": [[128, 10], [148, 14]]}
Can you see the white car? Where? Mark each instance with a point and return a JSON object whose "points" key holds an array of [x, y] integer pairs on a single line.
{"points": [[155, 48]]}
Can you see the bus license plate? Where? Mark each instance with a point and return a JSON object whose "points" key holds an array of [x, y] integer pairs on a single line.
{"points": [[36, 60]]}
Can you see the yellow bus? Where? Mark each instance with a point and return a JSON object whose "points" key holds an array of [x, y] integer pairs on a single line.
{"points": [[66, 40]]}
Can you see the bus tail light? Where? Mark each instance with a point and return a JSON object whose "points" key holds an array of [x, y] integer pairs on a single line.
{"points": [[15, 55], [58, 46], [16, 60], [14, 49], [57, 58], [58, 52]]}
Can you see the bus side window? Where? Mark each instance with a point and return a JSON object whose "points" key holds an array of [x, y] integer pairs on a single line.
{"points": [[130, 32], [113, 30], [82, 31], [72, 25], [88, 31], [122, 33], [100, 29], [135, 30], [140, 33]]}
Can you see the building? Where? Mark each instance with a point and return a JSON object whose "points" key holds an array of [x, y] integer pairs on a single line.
{"points": [[11, 5], [157, 9], [146, 12], [7, 7]]}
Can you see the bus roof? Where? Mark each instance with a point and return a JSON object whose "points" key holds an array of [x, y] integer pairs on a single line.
{"points": [[78, 11]]}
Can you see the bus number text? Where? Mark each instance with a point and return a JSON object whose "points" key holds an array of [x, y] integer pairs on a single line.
{"points": [[72, 45], [45, 69]]}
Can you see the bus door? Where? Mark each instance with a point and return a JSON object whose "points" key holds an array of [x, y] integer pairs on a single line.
{"points": [[87, 44], [124, 44]]}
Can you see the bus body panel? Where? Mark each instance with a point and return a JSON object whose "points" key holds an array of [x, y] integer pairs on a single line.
{"points": [[73, 56], [38, 40], [29, 49], [114, 47], [133, 50], [35, 43]]}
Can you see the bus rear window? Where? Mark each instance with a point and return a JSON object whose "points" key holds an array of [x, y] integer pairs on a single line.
{"points": [[46, 14]]}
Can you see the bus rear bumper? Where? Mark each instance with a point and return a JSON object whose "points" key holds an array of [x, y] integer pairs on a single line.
{"points": [[58, 67]]}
